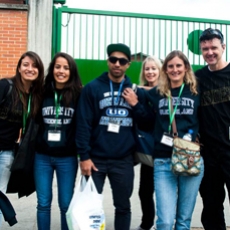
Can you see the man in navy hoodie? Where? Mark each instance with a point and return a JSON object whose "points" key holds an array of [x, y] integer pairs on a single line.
{"points": [[105, 133]]}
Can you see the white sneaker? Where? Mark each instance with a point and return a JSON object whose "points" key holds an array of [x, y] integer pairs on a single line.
{"points": [[153, 228]]}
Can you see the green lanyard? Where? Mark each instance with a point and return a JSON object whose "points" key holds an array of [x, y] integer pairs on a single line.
{"points": [[26, 114], [172, 114], [57, 105]]}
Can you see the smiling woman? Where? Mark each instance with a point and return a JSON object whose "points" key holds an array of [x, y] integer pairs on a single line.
{"points": [[56, 149], [61, 72], [177, 84], [16, 110], [176, 71], [29, 72]]}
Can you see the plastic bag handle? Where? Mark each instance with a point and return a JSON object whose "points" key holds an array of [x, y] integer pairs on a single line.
{"points": [[81, 183], [90, 185]]}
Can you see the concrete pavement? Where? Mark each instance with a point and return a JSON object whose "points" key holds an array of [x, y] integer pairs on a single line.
{"points": [[26, 209]]}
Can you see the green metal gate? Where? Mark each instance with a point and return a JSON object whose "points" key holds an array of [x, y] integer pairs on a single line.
{"points": [[85, 34]]}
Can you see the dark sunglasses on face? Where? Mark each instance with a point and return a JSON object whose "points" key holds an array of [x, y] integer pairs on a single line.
{"points": [[205, 34], [122, 61]]}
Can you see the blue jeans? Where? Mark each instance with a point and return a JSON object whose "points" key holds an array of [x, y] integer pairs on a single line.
{"points": [[175, 196], [120, 173], [6, 160], [66, 171]]}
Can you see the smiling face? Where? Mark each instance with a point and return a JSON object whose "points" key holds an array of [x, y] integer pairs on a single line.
{"points": [[176, 71], [151, 73], [61, 72], [28, 70], [212, 51]]}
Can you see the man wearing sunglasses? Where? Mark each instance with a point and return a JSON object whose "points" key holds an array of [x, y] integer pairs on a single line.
{"points": [[214, 80], [104, 136]]}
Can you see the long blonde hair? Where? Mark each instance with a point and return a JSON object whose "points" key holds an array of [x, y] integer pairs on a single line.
{"points": [[142, 80], [164, 85]]}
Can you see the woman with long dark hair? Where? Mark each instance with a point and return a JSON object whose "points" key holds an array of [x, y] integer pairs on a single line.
{"points": [[56, 150], [20, 98]]}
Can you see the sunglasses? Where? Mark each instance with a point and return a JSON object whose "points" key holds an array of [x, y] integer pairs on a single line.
{"points": [[207, 33], [122, 61]]}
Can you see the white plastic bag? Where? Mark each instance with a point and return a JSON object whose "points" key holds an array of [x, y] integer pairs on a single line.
{"points": [[85, 211]]}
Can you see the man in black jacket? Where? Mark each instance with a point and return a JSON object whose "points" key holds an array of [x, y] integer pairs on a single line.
{"points": [[214, 82]]}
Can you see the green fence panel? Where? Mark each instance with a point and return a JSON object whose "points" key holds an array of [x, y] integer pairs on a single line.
{"points": [[85, 68], [85, 34]]}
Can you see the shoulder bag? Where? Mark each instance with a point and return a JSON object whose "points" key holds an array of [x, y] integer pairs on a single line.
{"points": [[144, 143], [144, 147], [186, 159]]}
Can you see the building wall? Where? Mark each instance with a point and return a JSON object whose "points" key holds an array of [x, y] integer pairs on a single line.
{"points": [[40, 29], [12, 1], [13, 37], [24, 27]]}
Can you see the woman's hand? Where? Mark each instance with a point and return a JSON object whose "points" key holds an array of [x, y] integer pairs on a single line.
{"points": [[130, 96]]}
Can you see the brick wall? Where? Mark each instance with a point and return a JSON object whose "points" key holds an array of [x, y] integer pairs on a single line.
{"points": [[12, 1], [13, 39]]}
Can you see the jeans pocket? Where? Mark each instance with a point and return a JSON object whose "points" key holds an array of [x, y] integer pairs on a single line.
{"points": [[161, 161], [6, 153]]}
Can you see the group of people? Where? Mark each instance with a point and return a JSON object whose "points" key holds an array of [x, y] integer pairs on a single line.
{"points": [[51, 104], [97, 124]]}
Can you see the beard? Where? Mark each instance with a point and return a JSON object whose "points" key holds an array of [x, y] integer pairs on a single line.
{"points": [[116, 74]]}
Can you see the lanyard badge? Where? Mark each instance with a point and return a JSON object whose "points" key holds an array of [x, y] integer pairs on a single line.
{"points": [[26, 114], [55, 135], [167, 138], [113, 125]]}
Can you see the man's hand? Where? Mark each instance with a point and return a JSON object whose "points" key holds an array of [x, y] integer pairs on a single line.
{"points": [[130, 96], [86, 167]]}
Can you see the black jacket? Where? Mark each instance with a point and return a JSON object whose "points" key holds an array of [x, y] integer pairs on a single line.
{"points": [[22, 177], [7, 210]]}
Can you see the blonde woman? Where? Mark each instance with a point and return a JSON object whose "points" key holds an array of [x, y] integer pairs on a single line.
{"points": [[150, 72], [175, 194]]}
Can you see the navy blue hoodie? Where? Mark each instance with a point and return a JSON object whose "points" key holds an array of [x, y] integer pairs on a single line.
{"points": [[94, 111], [65, 124], [186, 115]]}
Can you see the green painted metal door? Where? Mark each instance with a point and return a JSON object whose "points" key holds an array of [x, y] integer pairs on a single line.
{"points": [[85, 34]]}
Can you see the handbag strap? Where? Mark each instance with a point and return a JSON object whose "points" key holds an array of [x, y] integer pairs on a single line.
{"points": [[9, 90], [174, 120]]}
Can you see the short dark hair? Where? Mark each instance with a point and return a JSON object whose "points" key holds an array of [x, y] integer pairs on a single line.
{"points": [[210, 33]]}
